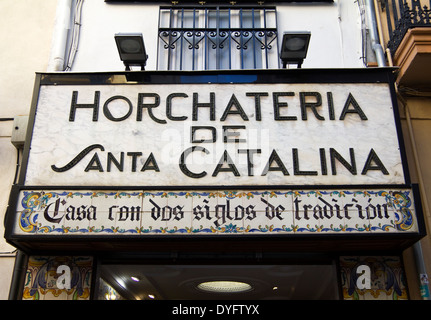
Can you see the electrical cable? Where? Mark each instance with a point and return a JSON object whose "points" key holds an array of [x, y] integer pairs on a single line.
{"points": [[8, 253], [75, 35], [17, 166], [364, 35], [415, 92]]}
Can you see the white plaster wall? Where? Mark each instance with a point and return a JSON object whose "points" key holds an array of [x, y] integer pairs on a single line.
{"points": [[6, 269], [25, 30], [101, 21], [335, 28], [335, 32]]}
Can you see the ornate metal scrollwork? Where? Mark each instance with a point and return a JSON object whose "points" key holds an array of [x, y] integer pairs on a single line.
{"points": [[206, 36], [217, 39], [405, 16]]}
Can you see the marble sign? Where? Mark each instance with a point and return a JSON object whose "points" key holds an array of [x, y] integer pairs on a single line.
{"points": [[215, 135]]}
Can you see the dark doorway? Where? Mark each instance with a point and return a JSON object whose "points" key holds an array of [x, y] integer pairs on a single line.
{"points": [[202, 282]]}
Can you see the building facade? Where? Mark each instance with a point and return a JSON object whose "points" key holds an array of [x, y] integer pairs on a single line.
{"points": [[212, 167]]}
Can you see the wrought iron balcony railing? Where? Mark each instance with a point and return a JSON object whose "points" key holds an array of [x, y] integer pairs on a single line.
{"points": [[203, 38], [403, 15]]}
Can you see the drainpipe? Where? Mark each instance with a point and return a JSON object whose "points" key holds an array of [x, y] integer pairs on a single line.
{"points": [[60, 35], [374, 34], [381, 62]]}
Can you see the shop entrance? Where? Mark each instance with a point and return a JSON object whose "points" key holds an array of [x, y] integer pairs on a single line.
{"points": [[208, 282]]}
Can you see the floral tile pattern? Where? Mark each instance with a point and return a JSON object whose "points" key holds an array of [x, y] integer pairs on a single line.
{"points": [[387, 278], [41, 278], [215, 212]]}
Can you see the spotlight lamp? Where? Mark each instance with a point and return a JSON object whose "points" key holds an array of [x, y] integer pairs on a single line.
{"points": [[294, 47], [131, 49]]}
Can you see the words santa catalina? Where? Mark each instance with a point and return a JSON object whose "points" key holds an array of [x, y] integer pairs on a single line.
{"points": [[225, 124]]}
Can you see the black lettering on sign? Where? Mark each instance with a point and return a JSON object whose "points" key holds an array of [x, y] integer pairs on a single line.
{"points": [[78, 158]]}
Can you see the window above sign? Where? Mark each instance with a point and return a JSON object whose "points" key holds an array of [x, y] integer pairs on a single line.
{"points": [[217, 37], [225, 2]]}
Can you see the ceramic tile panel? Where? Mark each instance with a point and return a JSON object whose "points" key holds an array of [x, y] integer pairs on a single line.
{"points": [[373, 278], [216, 212], [154, 208], [203, 215], [318, 211], [46, 281], [126, 211]]}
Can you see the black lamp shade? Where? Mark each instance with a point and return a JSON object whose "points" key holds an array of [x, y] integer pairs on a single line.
{"points": [[294, 46], [131, 48]]}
